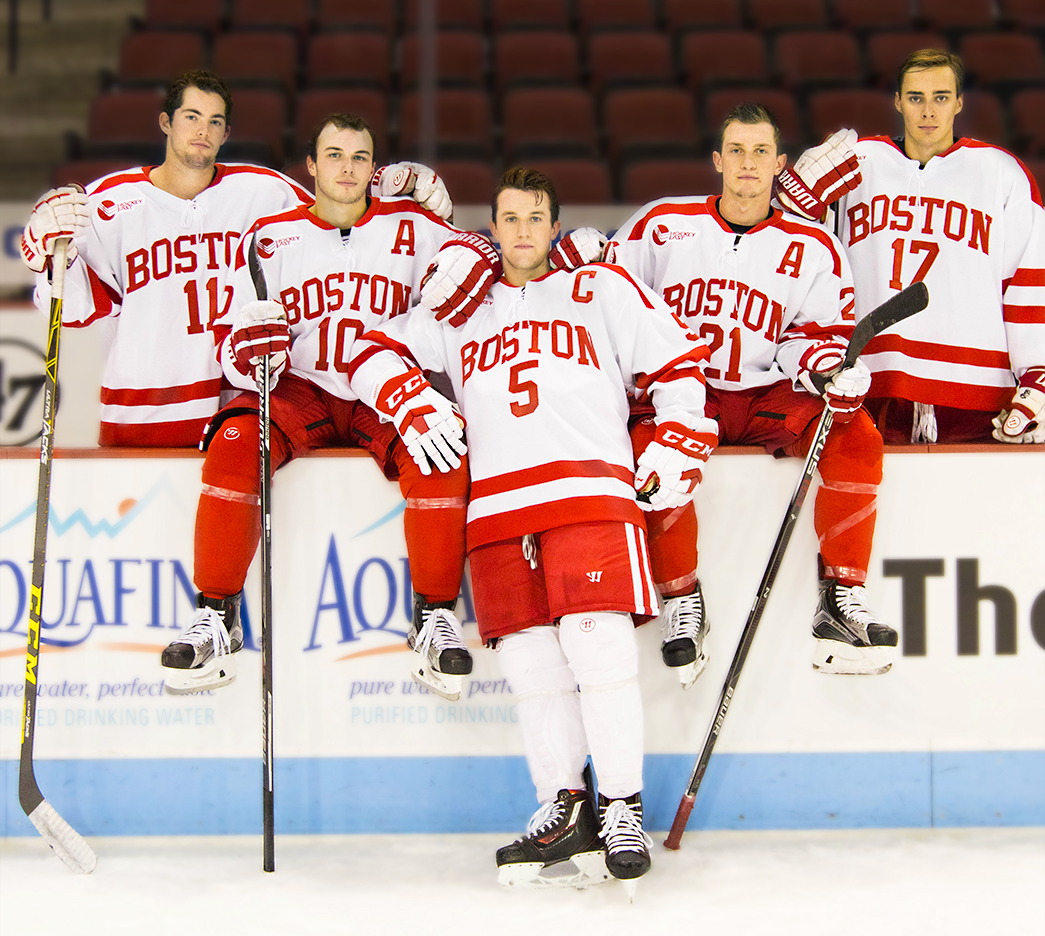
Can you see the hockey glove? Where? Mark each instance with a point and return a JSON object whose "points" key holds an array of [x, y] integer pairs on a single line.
{"points": [[585, 245], [260, 328], [410, 178], [62, 212], [1024, 421], [822, 175], [668, 471], [425, 420], [459, 277], [846, 389]]}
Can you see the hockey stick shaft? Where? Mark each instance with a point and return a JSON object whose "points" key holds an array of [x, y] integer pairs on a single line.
{"points": [[264, 437], [68, 844], [906, 303]]}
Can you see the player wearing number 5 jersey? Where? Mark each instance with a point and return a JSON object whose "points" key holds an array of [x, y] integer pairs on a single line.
{"points": [[331, 272], [773, 296], [155, 249]]}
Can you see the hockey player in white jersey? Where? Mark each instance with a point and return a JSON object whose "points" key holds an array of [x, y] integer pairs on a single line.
{"points": [[332, 272], [556, 540], [773, 295], [966, 218]]}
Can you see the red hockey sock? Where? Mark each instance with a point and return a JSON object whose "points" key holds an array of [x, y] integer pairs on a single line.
{"points": [[672, 536]]}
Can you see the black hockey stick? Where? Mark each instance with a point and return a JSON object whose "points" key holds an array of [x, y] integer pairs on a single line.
{"points": [[906, 303], [67, 843], [264, 425]]}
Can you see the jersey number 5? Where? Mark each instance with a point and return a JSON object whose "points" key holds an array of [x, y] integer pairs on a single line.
{"points": [[516, 385]]}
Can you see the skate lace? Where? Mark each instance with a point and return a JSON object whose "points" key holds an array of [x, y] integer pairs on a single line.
{"points": [[622, 828], [207, 627], [851, 600], [440, 629], [684, 618], [545, 818]]}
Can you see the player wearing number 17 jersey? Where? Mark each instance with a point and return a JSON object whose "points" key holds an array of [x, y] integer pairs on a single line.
{"points": [[773, 295]]}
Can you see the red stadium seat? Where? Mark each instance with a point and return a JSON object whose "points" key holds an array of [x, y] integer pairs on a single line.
{"points": [[654, 121], [449, 14], [1027, 14], [683, 15], [462, 123], [873, 14], [617, 58], [257, 57], [259, 122], [469, 181], [534, 14], [614, 14], [378, 15], [460, 58], [313, 106], [817, 57], [981, 118], [1002, 58], [349, 56], [947, 15], [727, 56], [870, 113], [787, 14], [195, 14], [159, 56], [1028, 121], [781, 104], [298, 171], [577, 181], [650, 179], [285, 14], [535, 57], [85, 171], [126, 124], [887, 51], [548, 120]]}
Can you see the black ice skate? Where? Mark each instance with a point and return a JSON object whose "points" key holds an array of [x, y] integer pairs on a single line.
{"points": [[683, 627], [562, 847], [627, 846], [436, 637], [849, 639], [202, 657]]}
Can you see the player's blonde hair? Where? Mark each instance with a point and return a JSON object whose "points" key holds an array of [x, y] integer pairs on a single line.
{"points": [[526, 180], [932, 58]]}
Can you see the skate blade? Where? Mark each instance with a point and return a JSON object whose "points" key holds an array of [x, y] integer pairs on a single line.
{"points": [[689, 672], [581, 871], [834, 657], [442, 684], [630, 886], [212, 675]]}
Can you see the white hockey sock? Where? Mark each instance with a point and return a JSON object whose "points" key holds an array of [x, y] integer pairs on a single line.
{"points": [[545, 694], [604, 657]]}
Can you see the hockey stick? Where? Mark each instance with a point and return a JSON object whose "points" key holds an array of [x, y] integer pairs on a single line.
{"points": [[264, 425], [67, 843], [906, 303]]}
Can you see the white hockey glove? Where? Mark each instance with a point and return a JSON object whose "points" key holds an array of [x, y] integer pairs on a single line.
{"points": [[846, 390], [459, 277], [822, 175], [1024, 421], [669, 469], [580, 247], [260, 328], [425, 420], [62, 212], [410, 178]]}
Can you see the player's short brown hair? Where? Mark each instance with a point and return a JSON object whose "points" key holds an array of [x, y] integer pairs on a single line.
{"points": [[205, 81], [342, 122], [526, 180], [749, 113], [932, 58]]}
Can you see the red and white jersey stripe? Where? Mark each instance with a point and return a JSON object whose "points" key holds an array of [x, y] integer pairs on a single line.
{"points": [[971, 226], [156, 268]]}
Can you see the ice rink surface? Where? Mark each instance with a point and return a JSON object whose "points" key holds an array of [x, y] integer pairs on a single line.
{"points": [[849, 883]]}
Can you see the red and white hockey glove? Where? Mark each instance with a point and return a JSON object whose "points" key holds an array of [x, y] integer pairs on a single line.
{"points": [[459, 277], [426, 421], [669, 469], [260, 329], [822, 175], [62, 212], [845, 391], [580, 247], [410, 178], [1024, 421]]}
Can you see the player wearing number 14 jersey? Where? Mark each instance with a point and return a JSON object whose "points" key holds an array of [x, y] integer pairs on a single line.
{"points": [[773, 296]]}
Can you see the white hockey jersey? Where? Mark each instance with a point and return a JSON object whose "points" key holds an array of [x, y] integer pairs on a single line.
{"points": [[971, 226], [761, 300], [157, 268], [541, 373], [336, 287]]}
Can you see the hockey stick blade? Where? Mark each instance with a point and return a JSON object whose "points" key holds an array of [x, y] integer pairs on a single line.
{"points": [[66, 842]]}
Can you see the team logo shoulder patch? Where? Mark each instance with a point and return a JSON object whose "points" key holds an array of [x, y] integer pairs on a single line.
{"points": [[267, 246], [661, 234], [109, 209]]}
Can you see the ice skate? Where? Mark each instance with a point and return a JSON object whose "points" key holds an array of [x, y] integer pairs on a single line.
{"points": [[849, 639], [203, 656], [561, 848], [627, 845], [442, 659], [683, 627]]}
